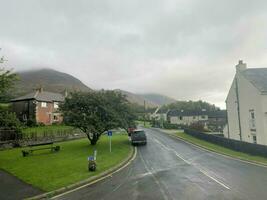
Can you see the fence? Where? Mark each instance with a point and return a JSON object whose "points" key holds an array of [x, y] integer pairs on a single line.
{"points": [[245, 147], [9, 138], [7, 134]]}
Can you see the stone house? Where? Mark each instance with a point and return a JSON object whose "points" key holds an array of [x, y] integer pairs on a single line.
{"points": [[40, 106]]}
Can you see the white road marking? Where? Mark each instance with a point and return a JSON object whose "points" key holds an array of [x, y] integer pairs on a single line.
{"points": [[190, 163], [155, 178], [95, 181]]}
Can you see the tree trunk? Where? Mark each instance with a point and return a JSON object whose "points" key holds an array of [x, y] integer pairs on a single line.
{"points": [[93, 138]]}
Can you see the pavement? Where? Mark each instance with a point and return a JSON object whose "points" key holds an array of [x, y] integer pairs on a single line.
{"points": [[13, 188], [168, 168]]}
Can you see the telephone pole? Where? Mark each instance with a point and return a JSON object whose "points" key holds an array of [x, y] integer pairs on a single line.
{"points": [[144, 113]]}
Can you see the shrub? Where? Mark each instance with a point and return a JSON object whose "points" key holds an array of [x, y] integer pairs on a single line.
{"points": [[10, 121], [197, 127]]}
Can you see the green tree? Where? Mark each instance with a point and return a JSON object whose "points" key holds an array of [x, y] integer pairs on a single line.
{"points": [[7, 81], [9, 120], [97, 112]]}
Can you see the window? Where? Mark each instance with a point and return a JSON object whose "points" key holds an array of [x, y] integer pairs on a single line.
{"points": [[55, 118], [252, 120], [181, 118], [203, 116], [252, 114], [55, 105], [43, 104], [254, 137], [194, 117]]}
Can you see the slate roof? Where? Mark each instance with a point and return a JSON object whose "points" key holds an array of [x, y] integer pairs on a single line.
{"points": [[41, 96], [258, 77], [211, 114]]}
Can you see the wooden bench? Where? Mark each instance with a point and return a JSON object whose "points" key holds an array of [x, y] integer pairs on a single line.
{"points": [[40, 146]]}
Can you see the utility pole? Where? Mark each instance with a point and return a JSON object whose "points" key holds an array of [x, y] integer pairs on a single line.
{"points": [[144, 113]]}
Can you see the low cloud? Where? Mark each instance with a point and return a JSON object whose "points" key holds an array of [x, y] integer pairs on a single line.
{"points": [[185, 49]]}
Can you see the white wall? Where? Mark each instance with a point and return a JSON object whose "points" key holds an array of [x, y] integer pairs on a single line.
{"points": [[249, 99], [187, 120]]}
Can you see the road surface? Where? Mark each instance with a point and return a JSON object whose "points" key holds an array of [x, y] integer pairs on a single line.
{"points": [[167, 168]]}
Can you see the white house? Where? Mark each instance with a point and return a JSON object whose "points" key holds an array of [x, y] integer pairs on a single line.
{"points": [[246, 105], [187, 117], [159, 114], [213, 120]]}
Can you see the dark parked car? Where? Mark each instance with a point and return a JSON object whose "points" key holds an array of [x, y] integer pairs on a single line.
{"points": [[138, 137]]}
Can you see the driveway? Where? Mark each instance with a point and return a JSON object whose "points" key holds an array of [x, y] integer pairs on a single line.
{"points": [[13, 188]]}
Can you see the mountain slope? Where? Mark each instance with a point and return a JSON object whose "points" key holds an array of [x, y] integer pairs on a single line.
{"points": [[158, 98], [137, 99], [51, 80]]}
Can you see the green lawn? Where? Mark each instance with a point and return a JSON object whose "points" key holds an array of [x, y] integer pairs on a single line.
{"points": [[53, 129], [49, 171], [220, 149]]}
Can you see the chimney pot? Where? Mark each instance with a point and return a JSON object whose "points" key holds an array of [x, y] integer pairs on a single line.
{"points": [[241, 66]]}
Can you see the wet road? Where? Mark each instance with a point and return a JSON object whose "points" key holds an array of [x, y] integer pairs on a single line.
{"points": [[167, 168]]}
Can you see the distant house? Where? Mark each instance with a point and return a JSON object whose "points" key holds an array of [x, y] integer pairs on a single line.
{"points": [[246, 105], [214, 120], [159, 114], [40, 106]]}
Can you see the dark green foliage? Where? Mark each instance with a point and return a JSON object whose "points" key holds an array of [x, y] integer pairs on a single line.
{"points": [[10, 121], [7, 81], [31, 122], [190, 106], [197, 127], [97, 112]]}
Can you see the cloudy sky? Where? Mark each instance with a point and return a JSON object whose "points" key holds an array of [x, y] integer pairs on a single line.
{"points": [[186, 49]]}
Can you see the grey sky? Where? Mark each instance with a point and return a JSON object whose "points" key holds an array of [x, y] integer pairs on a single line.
{"points": [[186, 49]]}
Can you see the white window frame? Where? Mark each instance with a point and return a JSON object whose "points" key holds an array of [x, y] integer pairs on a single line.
{"points": [[43, 104], [254, 139], [56, 105]]}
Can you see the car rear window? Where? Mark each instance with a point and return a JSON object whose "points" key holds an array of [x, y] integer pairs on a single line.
{"points": [[139, 132]]}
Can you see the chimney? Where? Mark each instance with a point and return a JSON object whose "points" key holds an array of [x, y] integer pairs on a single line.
{"points": [[241, 66]]}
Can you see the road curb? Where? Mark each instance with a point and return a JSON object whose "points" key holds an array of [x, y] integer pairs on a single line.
{"points": [[91, 180], [221, 154]]}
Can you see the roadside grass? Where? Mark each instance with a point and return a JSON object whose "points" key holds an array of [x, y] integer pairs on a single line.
{"points": [[220, 149], [49, 171], [52, 129]]}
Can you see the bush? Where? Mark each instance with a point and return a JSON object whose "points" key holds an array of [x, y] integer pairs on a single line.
{"points": [[31, 122], [10, 121], [197, 127], [168, 125]]}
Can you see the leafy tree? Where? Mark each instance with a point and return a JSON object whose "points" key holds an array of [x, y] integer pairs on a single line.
{"points": [[97, 112], [190, 106], [9, 120], [7, 81]]}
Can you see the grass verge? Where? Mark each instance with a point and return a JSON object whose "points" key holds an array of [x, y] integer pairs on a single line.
{"points": [[222, 150], [49, 171]]}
